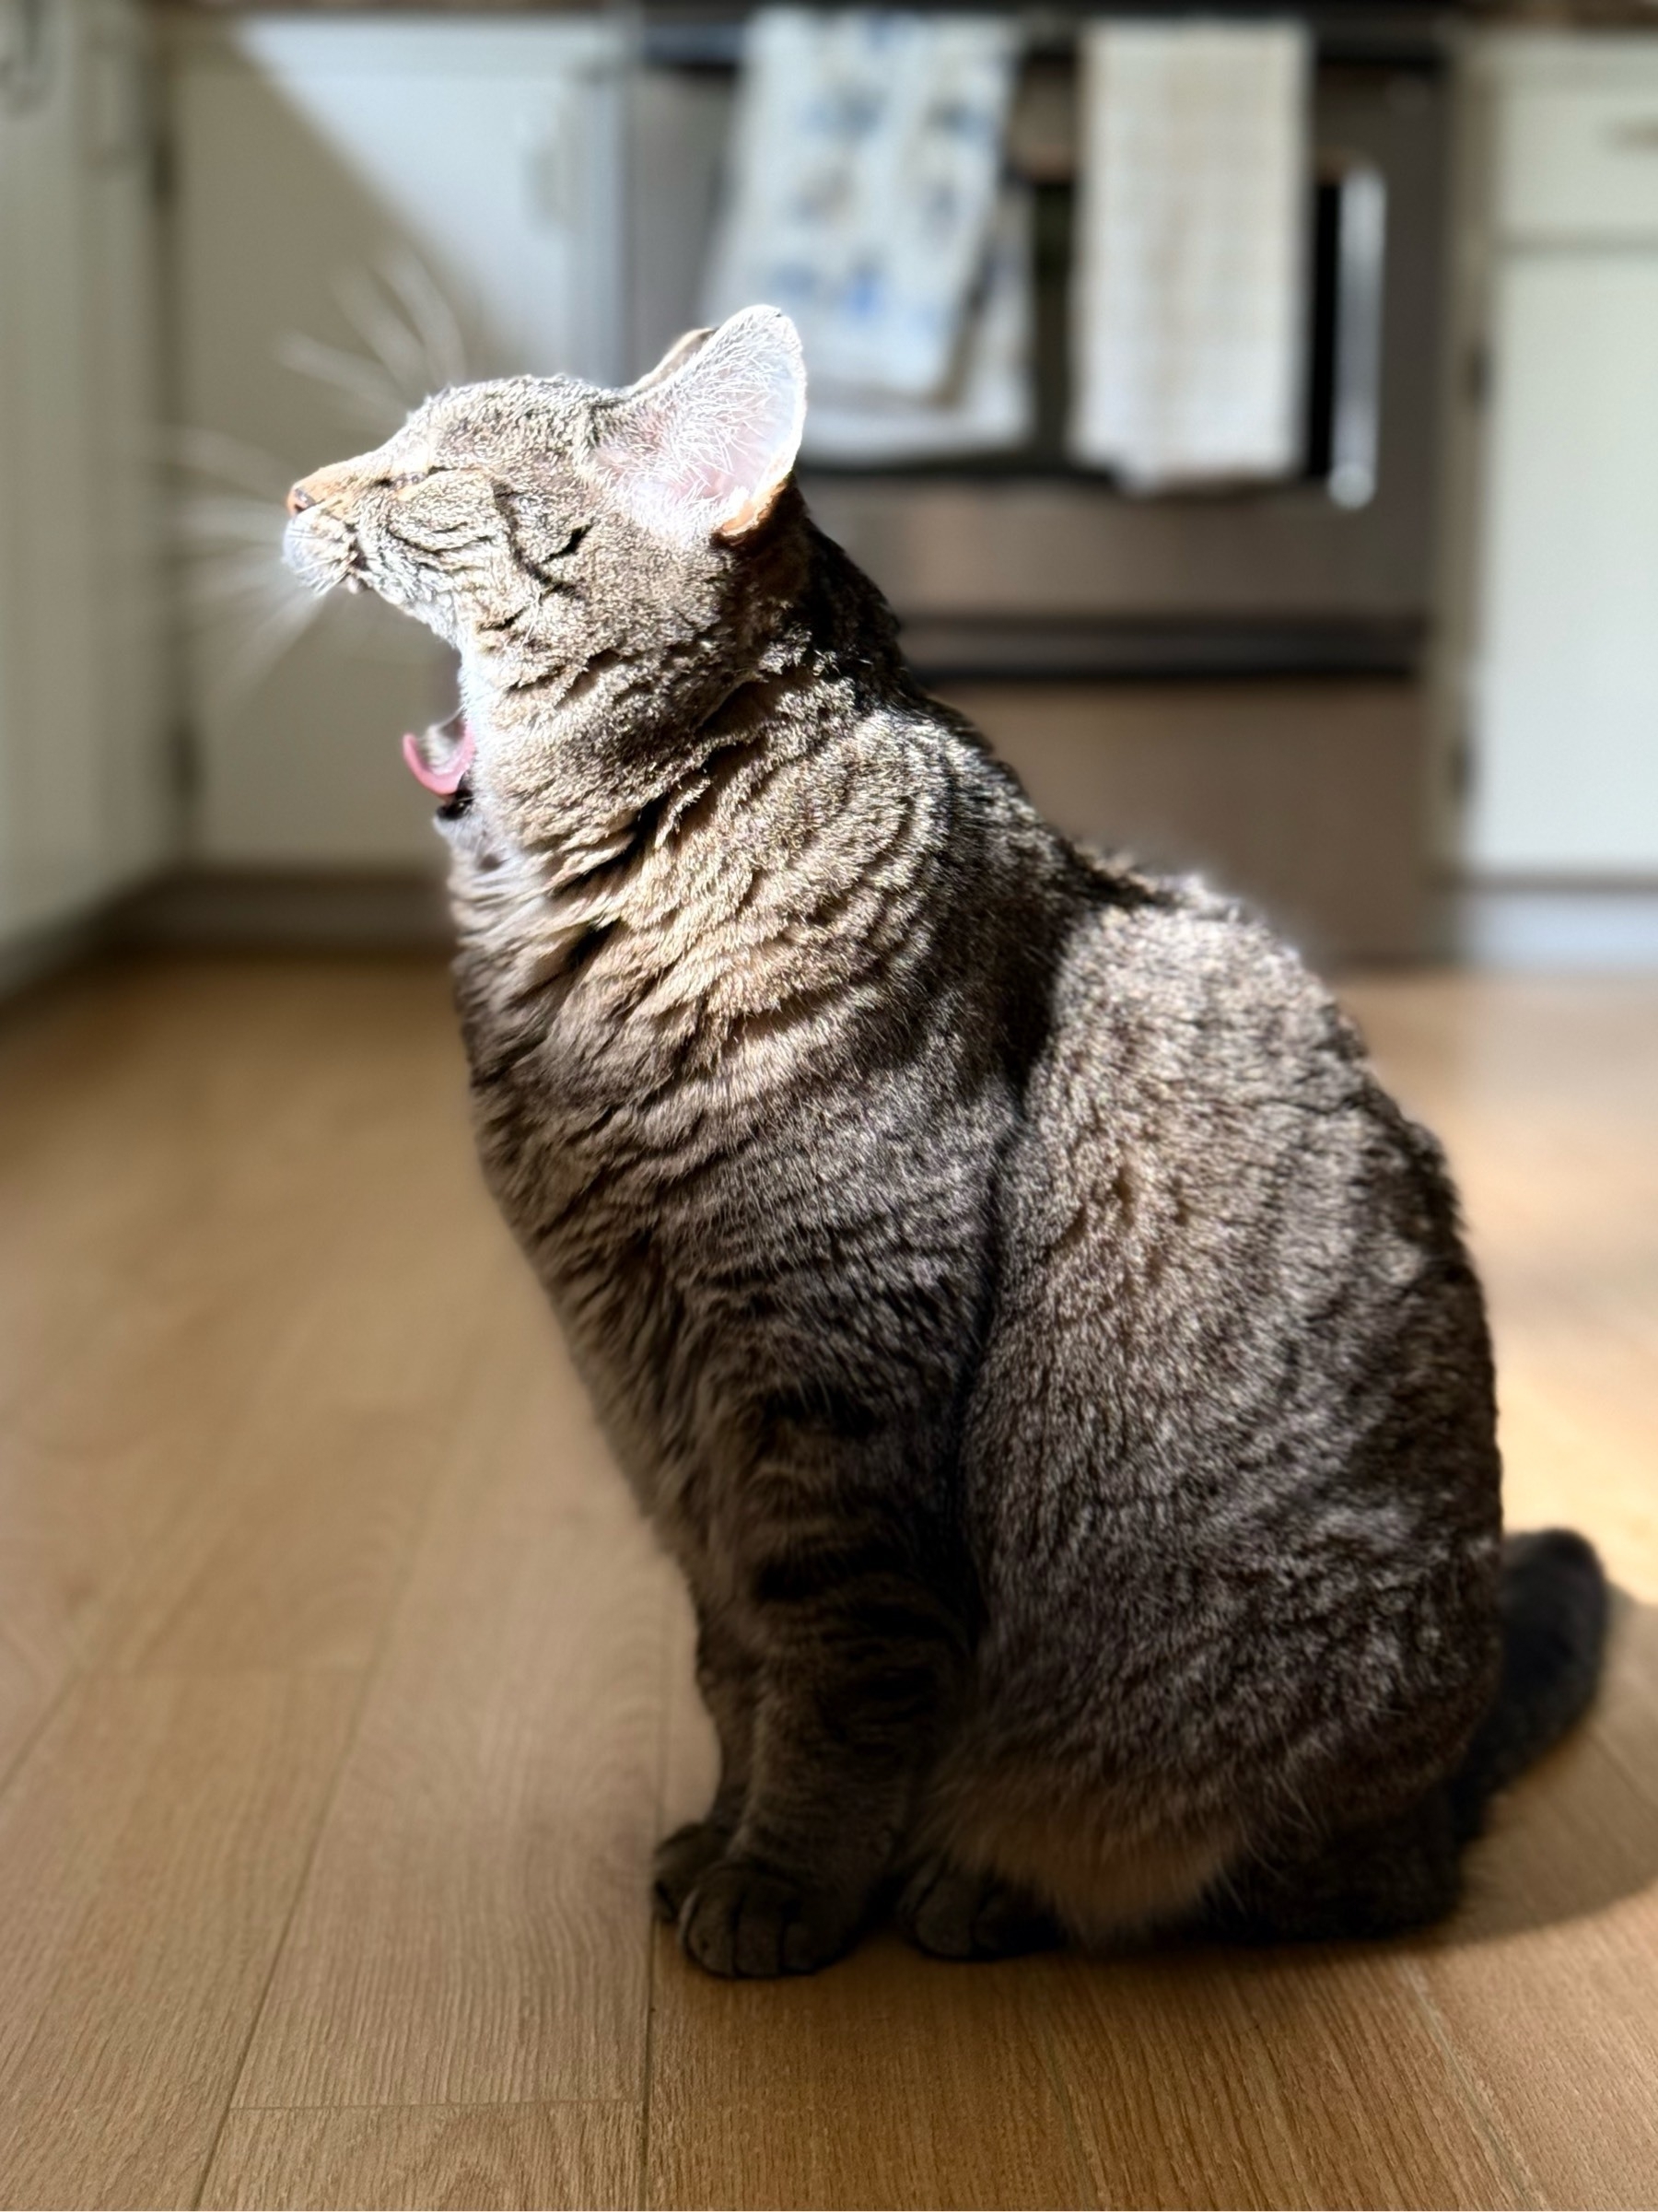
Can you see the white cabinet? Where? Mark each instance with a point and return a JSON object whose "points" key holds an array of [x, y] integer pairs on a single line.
{"points": [[83, 697], [1577, 143], [1563, 676], [1568, 687], [364, 210]]}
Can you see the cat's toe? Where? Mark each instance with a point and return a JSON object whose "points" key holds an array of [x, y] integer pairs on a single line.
{"points": [[747, 1921], [681, 1860], [952, 1912]]}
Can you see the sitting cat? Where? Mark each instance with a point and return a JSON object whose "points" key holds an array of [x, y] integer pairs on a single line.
{"points": [[1049, 1354]]}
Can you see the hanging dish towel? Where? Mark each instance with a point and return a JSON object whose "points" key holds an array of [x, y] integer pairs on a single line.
{"points": [[986, 402], [1190, 282], [862, 191]]}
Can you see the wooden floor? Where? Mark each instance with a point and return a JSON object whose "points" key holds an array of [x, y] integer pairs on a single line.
{"points": [[340, 1696]]}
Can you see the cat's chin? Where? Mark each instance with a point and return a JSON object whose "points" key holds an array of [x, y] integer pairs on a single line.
{"points": [[323, 552]]}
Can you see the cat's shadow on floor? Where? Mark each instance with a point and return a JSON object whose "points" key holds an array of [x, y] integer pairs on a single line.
{"points": [[1580, 1832]]}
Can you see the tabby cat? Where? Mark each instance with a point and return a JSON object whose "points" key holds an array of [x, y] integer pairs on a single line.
{"points": [[1050, 1355]]}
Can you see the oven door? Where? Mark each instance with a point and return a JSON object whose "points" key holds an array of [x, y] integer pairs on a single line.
{"points": [[1030, 566], [1306, 797]]}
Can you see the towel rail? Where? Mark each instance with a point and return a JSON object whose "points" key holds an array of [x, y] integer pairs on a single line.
{"points": [[1408, 36]]}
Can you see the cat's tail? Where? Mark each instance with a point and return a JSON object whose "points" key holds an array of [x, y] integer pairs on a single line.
{"points": [[1553, 1607]]}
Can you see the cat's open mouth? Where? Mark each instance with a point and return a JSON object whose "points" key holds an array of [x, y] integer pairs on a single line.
{"points": [[440, 756]]}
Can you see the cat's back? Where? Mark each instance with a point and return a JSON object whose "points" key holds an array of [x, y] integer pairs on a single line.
{"points": [[1211, 1182], [1200, 1091], [1238, 1364]]}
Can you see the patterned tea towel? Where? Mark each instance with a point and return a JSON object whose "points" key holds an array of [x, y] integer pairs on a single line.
{"points": [[863, 187], [986, 402]]}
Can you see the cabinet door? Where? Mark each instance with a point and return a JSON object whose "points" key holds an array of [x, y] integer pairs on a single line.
{"points": [[83, 693], [1566, 694], [321, 165]]}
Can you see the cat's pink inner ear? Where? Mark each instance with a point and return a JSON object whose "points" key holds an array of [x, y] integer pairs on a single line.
{"points": [[707, 451]]}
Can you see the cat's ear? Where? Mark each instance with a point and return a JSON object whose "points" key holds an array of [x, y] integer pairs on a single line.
{"points": [[677, 354], [702, 447]]}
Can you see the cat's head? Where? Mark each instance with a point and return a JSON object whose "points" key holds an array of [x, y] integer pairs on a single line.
{"points": [[540, 523]]}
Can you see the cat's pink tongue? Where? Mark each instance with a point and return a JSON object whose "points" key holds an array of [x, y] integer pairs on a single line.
{"points": [[445, 779]]}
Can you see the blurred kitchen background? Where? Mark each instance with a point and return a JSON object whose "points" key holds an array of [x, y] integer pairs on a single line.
{"points": [[1253, 418]]}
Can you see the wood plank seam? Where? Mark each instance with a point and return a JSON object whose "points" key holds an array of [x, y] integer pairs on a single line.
{"points": [[257, 2010], [438, 2104], [1471, 2089], [369, 1675], [665, 1711], [1089, 2194]]}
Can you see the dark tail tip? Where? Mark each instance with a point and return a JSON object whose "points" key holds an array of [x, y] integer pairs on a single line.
{"points": [[1554, 1606]]}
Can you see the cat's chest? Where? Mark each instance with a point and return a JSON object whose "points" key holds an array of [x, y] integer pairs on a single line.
{"points": [[612, 1139], [593, 1192]]}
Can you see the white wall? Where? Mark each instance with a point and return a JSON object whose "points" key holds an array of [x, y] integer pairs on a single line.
{"points": [[85, 803]]}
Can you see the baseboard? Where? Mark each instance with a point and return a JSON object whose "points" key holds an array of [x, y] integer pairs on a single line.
{"points": [[257, 909], [42, 953], [1565, 928]]}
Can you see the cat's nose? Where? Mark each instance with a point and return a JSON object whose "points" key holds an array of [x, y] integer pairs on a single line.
{"points": [[299, 499]]}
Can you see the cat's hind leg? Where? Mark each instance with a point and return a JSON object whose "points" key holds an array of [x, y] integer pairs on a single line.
{"points": [[956, 1912], [1378, 1880], [1406, 1872], [1007, 1860]]}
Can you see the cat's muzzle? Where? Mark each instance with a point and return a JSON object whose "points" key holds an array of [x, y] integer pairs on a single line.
{"points": [[322, 550]]}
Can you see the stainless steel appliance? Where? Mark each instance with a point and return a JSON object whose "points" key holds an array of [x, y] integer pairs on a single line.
{"points": [[1065, 614], [1022, 563]]}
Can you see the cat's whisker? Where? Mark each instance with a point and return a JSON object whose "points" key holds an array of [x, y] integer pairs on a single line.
{"points": [[242, 603], [237, 591], [366, 389], [218, 583], [241, 468], [410, 333], [433, 318], [208, 519], [260, 648], [386, 334]]}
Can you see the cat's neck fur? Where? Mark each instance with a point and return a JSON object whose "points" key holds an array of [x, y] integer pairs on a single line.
{"points": [[586, 751], [658, 783]]}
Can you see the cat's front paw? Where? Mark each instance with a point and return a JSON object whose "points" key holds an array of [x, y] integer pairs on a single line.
{"points": [[680, 1862], [744, 1919]]}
